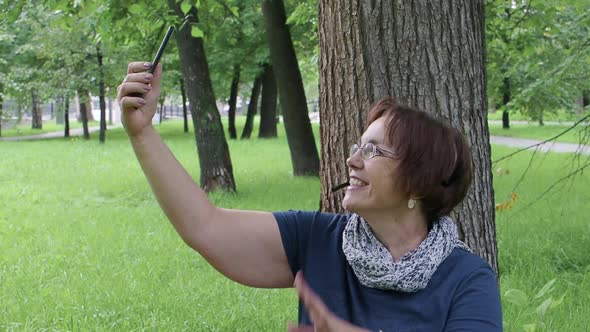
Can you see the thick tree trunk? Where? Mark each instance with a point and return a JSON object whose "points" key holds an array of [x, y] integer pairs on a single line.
{"points": [[101, 93], [304, 155], [429, 55], [233, 99], [214, 158], [184, 110], [36, 113], [66, 116], [268, 104], [83, 96], [252, 107]]}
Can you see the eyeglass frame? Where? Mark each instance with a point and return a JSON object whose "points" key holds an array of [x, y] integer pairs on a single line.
{"points": [[377, 151]]}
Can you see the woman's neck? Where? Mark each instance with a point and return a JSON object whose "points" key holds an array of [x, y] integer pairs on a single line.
{"points": [[400, 233]]}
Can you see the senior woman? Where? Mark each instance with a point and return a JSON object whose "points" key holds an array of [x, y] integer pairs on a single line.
{"points": [[393, 263]]}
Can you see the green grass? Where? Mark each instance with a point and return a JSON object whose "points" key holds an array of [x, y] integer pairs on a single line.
{"points": [[48, 126], [579, 134], [84, 245]]}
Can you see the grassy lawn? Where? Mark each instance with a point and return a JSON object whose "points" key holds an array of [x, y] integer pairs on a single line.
{"points": [[85, 246], [579, 134], [558, 116]]}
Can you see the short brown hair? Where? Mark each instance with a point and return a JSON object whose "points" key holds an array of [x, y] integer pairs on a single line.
{"points": [[435, 161]]}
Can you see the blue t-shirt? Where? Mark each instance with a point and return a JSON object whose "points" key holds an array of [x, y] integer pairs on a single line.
{"points": [[462, 295]]}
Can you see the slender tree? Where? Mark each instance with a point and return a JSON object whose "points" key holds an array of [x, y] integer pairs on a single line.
{"points": [[268, 104], [233, 98], [304, 155], [184, 110], [430, 55], [252, 107]]}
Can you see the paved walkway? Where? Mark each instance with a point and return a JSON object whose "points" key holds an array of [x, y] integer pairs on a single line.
{"points": [[498, 140]]}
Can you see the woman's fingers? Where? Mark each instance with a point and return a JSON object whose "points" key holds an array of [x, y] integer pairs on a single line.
{"points": [[138, 67], [318, 312]]}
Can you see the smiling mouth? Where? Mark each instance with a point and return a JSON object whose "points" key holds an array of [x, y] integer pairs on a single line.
{"points": [[357, 183]]}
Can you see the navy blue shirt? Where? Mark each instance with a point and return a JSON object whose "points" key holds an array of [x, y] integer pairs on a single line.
{"points": [[462, 295]]}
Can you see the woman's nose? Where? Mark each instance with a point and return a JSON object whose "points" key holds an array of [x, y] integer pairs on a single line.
{"points": [[355, 161]]}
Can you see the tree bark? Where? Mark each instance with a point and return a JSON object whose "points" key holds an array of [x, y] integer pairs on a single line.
{"points": [[83, 96], [1, 106], [304, 155], [101, 93], [429, 55], [506, 96], [214, 158], [184, 110], [36, 113], [66, 116], [268, 104], [233, 98], [252, 107]]}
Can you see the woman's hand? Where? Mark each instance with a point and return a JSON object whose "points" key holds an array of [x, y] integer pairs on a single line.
{"points": [[138, 97], [323, 319]]}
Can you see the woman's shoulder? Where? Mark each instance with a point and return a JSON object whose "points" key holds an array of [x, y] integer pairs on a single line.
{"points": [[310, 216], [461, 266]]}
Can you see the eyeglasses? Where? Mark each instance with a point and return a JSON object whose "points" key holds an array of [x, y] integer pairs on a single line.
{"points": [[370, 150]]}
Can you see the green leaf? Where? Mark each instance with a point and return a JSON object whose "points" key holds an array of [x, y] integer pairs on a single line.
{"points": [[556, 303], [546, 289], [517, 297], [135, 9], [185, 6], [530, 327], [196, 32], [542, 309]]}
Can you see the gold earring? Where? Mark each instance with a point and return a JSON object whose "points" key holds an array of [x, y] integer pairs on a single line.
{"points": [[411, 203]]}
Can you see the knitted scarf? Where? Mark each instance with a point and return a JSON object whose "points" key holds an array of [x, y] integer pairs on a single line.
{"points": [[374, 267]]}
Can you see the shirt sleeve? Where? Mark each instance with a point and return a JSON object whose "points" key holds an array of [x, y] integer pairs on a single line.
{"points": [[476, 306], [295, 227]]}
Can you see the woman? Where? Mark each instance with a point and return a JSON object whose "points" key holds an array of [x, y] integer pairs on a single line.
{"points": [[393, 264]]}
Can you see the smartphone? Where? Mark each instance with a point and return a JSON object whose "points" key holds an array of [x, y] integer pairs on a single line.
{"points": [[157, 57]]}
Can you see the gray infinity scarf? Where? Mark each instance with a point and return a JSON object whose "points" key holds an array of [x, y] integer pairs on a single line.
{"points": [[374, 267]]}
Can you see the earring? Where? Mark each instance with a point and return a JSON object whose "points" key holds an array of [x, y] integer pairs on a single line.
{"points": [[411, 203]]}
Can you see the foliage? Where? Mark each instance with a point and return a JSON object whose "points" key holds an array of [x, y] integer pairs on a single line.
{"points": [[543, 49]]}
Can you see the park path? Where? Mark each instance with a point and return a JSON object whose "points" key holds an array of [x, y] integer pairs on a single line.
{"points": [[498, 140], [55, 134]]}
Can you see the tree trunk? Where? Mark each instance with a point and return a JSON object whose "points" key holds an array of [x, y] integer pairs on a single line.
{"points": [[506, 96], [36, 112], [101, 93], [88, 106], [162, 109], [1, 106], [429, 55], [233, 98], [83, 96], [252, 107], [541, 123], [214, 158], [184, 110], [304, 155], [268, 104], [66, 116]]}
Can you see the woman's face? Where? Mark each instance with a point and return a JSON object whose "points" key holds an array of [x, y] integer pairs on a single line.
{"points": [[373, 182]]}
